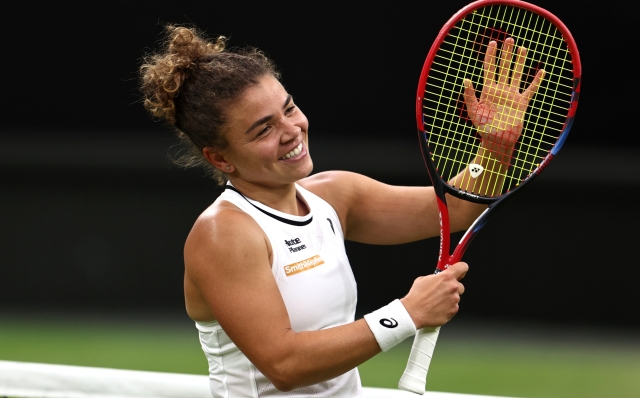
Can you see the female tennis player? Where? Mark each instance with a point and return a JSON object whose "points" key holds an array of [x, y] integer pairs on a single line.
{"points": [[267, 280]]}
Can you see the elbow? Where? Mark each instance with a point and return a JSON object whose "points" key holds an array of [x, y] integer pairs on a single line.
{"points": [[285, 376], [282, 385], [282, 378], [287, 366]]}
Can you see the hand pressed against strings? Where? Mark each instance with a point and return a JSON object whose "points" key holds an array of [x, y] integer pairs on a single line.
{"points": [[498, 117], [499, 114]]}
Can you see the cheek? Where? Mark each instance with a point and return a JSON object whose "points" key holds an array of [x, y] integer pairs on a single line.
{"points": [[266, 153], [267, 149]]}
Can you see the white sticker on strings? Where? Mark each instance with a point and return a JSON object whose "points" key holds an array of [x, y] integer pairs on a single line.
{"points": [[475, 170]]}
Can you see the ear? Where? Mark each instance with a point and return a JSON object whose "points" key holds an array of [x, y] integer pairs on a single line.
{"points": [[217, 159]]}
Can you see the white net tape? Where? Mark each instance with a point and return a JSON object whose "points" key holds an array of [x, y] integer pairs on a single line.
{"points": [[35, 380]]}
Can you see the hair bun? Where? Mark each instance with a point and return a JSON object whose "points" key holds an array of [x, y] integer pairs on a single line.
{"points": [[163, 74], [186, 42]]}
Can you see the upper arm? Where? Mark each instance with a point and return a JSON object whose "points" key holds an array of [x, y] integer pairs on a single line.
{"points": [[377, 213], [227, 258]]}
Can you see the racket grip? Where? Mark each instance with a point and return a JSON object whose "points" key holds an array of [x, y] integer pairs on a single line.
{"points": [[414, 378]]}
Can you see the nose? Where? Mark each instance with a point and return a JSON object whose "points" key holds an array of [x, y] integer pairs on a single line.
{"points": [[290, 131]]}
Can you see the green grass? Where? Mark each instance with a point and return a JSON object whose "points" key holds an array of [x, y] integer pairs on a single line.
{"points": [[518, 369], [154, 347], [508, 367]]}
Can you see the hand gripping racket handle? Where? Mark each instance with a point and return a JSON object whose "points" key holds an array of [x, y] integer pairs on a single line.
{"points": [[414, 378]]}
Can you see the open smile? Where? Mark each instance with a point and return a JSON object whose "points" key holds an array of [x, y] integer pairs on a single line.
{"points": [[296, 153]]}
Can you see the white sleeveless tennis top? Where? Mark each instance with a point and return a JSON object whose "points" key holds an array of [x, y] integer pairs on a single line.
{"points": [[314, 276]]}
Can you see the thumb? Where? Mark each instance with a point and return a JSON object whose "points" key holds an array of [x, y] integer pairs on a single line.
{"points": [[459, 270]]}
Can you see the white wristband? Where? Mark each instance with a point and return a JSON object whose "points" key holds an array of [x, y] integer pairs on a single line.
{"points": [[390, 324]]}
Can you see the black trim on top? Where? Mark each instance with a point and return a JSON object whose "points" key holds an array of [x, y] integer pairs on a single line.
{"points": [[281, 219]]}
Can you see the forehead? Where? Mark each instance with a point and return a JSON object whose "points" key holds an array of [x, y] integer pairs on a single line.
{"points": [[257, 101]]}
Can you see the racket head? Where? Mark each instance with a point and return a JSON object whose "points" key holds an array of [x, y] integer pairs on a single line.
{"points": [[449, 140]]}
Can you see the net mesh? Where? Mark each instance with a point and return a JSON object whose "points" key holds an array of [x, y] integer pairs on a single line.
{"points": [[453, 140], [34, 380]]}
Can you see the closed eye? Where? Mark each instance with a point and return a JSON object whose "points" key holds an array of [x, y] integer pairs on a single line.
{"points": [[290, 109], [263, 130]]}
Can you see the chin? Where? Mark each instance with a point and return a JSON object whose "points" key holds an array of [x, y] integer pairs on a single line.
{"points": [[308, 167], [302, 171]]}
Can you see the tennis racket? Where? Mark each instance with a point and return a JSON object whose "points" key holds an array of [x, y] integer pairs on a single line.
{"points": [[496, 100]]}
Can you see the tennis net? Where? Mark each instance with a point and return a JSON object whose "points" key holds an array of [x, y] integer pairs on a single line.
{"points": [[35, 380]]}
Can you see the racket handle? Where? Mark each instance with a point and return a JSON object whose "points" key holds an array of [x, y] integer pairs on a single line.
{"points": [[414, 378]]}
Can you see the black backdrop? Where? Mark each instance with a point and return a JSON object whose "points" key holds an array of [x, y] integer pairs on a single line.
{"points": [[351, 65], [93, 216]]}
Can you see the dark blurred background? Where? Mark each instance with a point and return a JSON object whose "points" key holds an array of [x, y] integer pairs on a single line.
{"points": [[93, 215]]}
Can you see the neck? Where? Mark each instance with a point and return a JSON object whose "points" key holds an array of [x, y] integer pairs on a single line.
{"points": [[282, 198]]}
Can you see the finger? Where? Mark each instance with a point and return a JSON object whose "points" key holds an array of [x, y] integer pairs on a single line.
{"points": [[459, 270], [516, 79], [461, 289], [470, 98], [533, 87], [506, 55], [490, 64]]}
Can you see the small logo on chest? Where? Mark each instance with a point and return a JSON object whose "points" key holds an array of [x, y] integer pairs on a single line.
{"points": [[295, 245]]}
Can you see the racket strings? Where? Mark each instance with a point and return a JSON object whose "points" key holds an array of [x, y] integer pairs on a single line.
{"points": [[546, 50], [453, 139], [446, 54], [522, 165], [562, 87], [444, 108]]}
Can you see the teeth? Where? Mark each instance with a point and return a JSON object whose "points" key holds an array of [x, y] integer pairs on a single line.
{"points": [[296, 151]]}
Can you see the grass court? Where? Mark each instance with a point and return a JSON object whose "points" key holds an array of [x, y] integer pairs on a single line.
{"points": [[502, 362]]}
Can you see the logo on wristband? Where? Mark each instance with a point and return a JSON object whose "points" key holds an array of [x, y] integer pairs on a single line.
{"points": [[389, 323]]}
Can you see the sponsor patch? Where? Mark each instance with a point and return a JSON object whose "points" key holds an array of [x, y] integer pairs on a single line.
{"points": [[303, 265]]}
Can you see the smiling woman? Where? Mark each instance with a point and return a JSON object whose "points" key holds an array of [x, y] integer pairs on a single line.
{"points": [[267, 138], [267, 280]]}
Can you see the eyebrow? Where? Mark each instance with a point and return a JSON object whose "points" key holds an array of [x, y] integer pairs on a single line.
{"points": [[266, 118]]}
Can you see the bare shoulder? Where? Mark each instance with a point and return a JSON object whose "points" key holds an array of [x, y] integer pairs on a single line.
{"points": [[335, 187], [218, 221], [216, 234], [322, 184], [222, 244], [336, 183], [342, 189]]}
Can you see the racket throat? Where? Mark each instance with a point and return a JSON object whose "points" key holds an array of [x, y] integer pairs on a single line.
{"points": [[444, 259]]}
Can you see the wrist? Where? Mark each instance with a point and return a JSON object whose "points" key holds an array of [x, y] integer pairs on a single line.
{"points": [[492, 151], [390, 324]]}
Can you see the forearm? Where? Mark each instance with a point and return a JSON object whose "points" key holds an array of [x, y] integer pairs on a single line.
{"points": [[308, 358]]}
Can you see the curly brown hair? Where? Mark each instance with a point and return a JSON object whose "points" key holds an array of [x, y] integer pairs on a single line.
{"points": [[189, 82]]}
